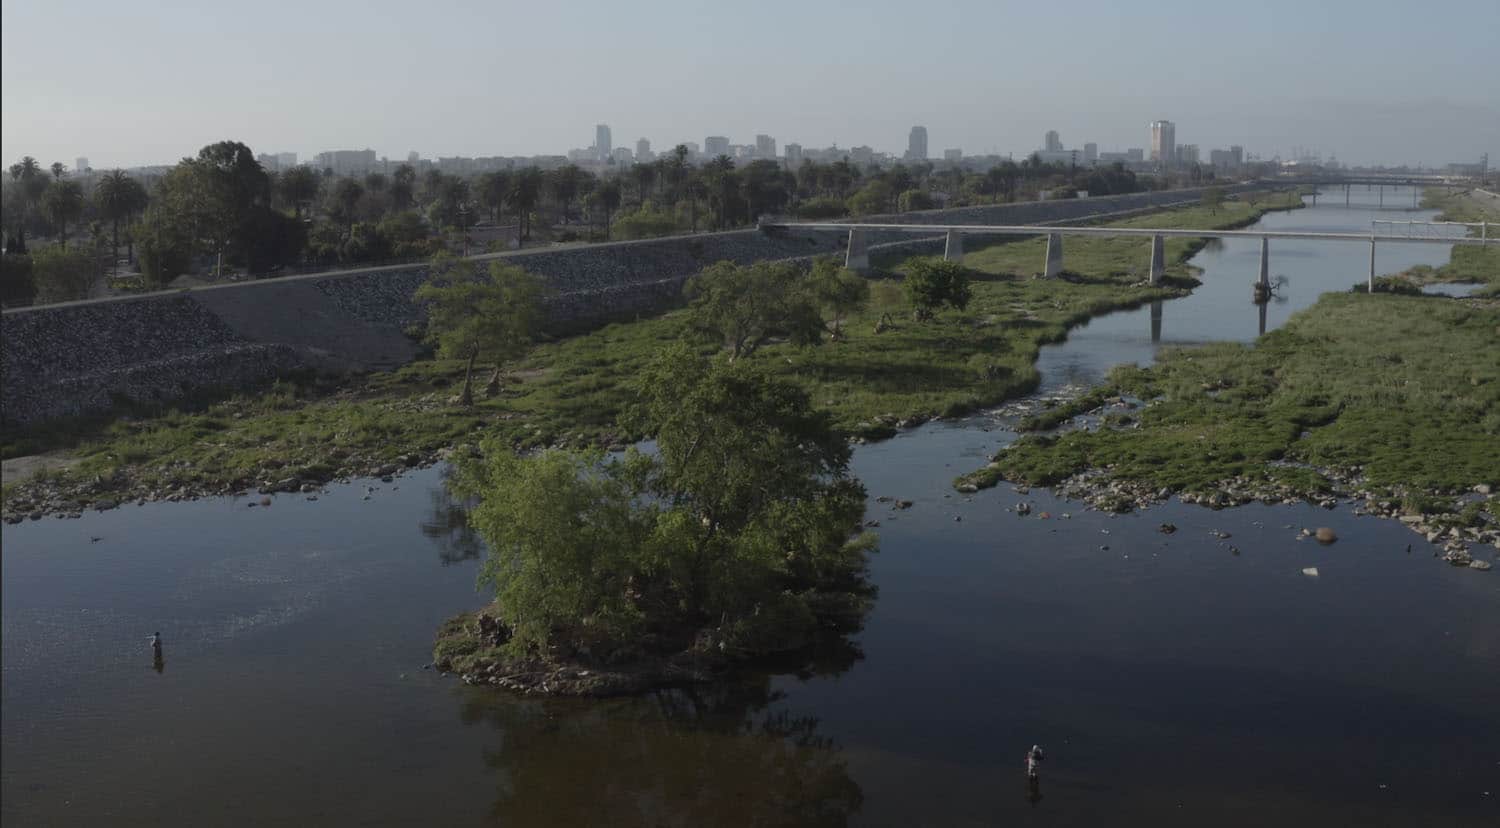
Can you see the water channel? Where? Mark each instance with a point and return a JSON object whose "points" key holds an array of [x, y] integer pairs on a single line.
{"points": [[1171, 680]]}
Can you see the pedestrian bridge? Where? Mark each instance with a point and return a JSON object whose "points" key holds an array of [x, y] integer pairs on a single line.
{"points": [[857, 254]]}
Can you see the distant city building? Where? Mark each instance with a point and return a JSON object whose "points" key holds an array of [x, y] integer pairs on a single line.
{"points": [[80, 165], [286, 160], [954, 155], [1053, 143], [412, 158], [602, 141], [643, 151], [862, 156], [622, 155], [1229, 159], [267, 162], [693, 150], [794, 155], [1163, 141], [765, 147], [916, 144], [1058, 156], [1090, 153], [347, 162], [715, 146], [1135, 155], [1187, 154]]}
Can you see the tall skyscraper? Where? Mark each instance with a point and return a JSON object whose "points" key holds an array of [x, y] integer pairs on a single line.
{"points": [[1187, 154], [1090, 153], [765, 147], [80, 165], [793, 155], [715, 146], [602, 145], [1163, 142], [1053, 142], [916, 144], [643, 151]]}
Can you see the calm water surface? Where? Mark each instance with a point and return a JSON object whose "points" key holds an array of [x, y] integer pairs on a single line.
{"points": [[1172, 680]]}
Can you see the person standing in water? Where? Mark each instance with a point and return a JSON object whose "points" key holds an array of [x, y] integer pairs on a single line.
{"points": [[1033, 761], [157, 663]]}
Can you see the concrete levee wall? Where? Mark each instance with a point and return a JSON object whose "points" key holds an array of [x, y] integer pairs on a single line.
{"points": [[84, 358]]}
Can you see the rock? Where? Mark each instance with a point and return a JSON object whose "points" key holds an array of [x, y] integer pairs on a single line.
{"points": [[105, 505], [1219, 533], [265, 501], [1483, 488], [1325, 535], [1311, 572], [1482, 566], [1166, 528], [1023, 508], [1410, 519], [1432, 537], [957, 518], [903, 504], [968, 488]]}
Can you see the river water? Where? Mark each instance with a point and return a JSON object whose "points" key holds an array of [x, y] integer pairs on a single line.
{"points": [[1180, 680]]}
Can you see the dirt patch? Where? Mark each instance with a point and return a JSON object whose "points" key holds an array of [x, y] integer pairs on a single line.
{"points": [[20, 469]]}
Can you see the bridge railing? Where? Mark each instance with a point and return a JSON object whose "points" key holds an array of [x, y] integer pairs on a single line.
{"points": [[1444, 230]]}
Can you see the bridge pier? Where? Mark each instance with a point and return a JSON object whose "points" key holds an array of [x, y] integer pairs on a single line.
{"points": [[1382, 195], [1156, 321], [1053, 267], [1158, 259], [1371, 287], [953, 249], [857, 257], [1262, 291], [1315, 196], [1346, 195]]}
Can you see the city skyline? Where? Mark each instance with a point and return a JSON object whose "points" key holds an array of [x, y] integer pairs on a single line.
{"points": [[1233, 79]]}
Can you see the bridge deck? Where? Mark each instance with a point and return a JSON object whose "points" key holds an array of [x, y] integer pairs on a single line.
{"points": [[1044, 230]]}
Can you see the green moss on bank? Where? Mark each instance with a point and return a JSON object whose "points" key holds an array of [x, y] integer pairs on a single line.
{"points": [[1405, 388]]}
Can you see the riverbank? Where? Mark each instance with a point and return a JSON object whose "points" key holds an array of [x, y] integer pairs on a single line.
{"points": [[1390, 401], [303, 434], [1469, 263]]}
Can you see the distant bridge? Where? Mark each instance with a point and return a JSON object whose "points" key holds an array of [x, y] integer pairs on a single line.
{"points": [[857, 254]]}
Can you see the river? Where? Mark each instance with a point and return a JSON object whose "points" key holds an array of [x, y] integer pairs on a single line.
{"points": [[1173, 680]]}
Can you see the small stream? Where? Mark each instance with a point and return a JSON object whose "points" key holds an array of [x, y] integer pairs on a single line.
{"points": [[1188, 679]]}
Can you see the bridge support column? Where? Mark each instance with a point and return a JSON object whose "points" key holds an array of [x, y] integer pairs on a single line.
{"points": [[1156, 321], [1262, 291], [1346, 195], [1158, 259], [1315, 196], [1371, 287], [953, 249], [857, 257], [1053, 267], [1382, 195]]}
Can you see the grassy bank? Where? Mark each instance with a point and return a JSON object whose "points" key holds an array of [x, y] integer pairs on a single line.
{"points": [[1468, 263], [571, 391], [1396, 392]]}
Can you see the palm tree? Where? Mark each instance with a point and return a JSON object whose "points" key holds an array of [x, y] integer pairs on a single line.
{"points": [[58, 170], [645, 176], [524, 195], [299, 186], [28, 174], [608, 199], [112, 196], [63, 202]]}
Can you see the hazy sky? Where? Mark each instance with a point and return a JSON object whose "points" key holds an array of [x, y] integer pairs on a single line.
{"points": [[149, 81]]}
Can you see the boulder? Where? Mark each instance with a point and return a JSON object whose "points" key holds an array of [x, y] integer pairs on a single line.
{"points": [[1325, 535]]}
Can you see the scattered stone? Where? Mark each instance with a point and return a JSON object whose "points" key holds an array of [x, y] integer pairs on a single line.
{"points": [[1023, 508], [1166, 528], [957, 518], [1325, 535], [265, 501], [968, 488], [1044, 516], [903, 504], [1311, 572], [1219, 533], [1482, 566]]}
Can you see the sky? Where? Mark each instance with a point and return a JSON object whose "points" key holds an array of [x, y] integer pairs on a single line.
{"points": [[151, 81]]}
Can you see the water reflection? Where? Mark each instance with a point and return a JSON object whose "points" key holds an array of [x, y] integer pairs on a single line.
{"points": [[1156, 321], [727, 753], [447, 525]]}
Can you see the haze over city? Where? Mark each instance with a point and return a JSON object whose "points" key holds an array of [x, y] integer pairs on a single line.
{"points": [[150, 83]]}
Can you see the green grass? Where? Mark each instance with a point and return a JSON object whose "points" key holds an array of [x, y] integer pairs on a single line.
{"points": [[1468, 263], [1408, 388], [572, 390]]}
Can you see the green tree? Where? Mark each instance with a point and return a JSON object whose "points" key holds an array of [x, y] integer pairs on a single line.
{"points": [[739, 527], [166, 244], [563, 184], [495, 313], [913, 200], [494, 187], [346, 196], [607, 199], [403, 184], [874, 197], [61, 275], [838, 291], [119, 197], [28, 175], [58, 171], [299, 187], [932, 283], [644, 176], [742, 307], [524, 196], [63, 204]]}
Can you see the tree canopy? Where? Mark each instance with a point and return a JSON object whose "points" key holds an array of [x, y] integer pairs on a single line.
{"points": [[932, 283], [744, 306], [494, 313]]}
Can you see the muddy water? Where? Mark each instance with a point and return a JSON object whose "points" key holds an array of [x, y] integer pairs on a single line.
{"points": [[1184, 679]]}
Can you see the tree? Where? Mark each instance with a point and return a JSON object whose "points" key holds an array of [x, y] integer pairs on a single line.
{"points": [[524, 195], [913, 200], [119, 197], [874, 197], [495, 314], [932, 283], [607, 197], [61, 275], [838, 291], [346, 196], [744, 307], [299, 187], [738, 528], [645, 176], [28, 175], [166, 243], [58, 170], [493, 188], [403, 182], [63, 204], [224, 185], [563, 184]]}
